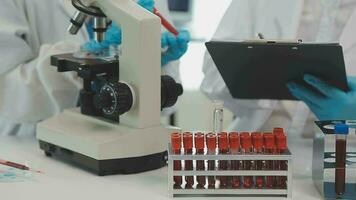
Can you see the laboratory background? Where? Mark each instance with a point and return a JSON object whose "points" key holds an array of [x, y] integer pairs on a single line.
{"points": [[177, 99]]}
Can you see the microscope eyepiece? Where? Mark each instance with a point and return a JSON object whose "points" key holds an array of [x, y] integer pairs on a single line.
{"points": [[100, 20]]}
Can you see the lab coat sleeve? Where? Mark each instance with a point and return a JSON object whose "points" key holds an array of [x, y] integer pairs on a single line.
{"points": [[34, 91], [14, 49], [348, 42], [30, 88]]}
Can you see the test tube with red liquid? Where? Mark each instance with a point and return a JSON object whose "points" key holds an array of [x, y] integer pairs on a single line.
{"points": [[270, 148], [211, 145], [278, 130], [234, 141], [165, 23], [341, 131], [176, 140], [257, 141], [200, 164], [223, 164], [281, 142], [188, 164], [246, 148]]}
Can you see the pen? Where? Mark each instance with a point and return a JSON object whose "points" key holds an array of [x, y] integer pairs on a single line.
{"points": [[17, 166]]}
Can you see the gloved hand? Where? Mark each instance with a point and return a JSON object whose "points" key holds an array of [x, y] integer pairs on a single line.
{"points": [[113, 35], [335, 104], [148, 4], [176, 46]]}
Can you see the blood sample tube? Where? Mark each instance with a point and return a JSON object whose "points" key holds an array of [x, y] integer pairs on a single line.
{"points": [[165, 23], [281, 141], [270, 148], [176, 140], [278, 130], [246, 148], [234, 141], [257, 141], [200, 164], [211, 144], [341, 131], [223, 164], [188, 164]]}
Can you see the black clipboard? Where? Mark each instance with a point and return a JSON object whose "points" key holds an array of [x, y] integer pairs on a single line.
{"points": [[260, 70]]}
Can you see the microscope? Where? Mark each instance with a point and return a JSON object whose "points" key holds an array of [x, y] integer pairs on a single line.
{"points": [[117, 128]]}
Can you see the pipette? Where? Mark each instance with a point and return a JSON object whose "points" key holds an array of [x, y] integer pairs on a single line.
{"points": [[165, 23], [18, 166]]}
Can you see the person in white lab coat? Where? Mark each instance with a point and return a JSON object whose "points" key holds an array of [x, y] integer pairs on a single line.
{"points": [[320, 20], [30, 89]]}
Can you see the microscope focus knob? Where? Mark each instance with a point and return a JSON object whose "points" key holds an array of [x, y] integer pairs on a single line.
{"points": [[114, 99], [170, 91], [103, 100]]}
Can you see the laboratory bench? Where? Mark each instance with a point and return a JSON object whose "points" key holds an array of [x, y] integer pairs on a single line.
{"points": [[62, 180]]}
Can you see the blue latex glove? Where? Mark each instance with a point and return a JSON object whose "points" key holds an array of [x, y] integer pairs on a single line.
{"points": [[176, 46], [148, 4], [335, 104], [113, 35]]}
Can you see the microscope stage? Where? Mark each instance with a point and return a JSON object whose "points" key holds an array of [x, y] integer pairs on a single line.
{"points": [[102, 146]]}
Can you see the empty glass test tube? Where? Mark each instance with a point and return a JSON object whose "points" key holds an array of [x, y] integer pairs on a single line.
{"points": [[218, 116]]}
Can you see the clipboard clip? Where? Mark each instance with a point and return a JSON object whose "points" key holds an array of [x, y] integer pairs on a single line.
{"points": [[265, 41]]}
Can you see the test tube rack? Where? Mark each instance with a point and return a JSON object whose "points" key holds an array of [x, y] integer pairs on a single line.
{"points": [[250, 192]]}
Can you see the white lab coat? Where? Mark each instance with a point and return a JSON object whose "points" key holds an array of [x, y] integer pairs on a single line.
{"points": [[30, 89], [320, 20], [348, 42]]}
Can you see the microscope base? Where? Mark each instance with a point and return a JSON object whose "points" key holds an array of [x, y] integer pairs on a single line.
{"points": [[103, 147], [106, 167]]}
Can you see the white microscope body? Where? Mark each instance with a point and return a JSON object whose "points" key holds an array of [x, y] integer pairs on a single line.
{"points": [[139, 142]]}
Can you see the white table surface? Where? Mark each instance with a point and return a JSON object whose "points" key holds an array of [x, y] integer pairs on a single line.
{"points": [[63, 181]]}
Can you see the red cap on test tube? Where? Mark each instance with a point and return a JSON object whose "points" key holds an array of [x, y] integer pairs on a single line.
{"points": [[176, 140], [211, 141], [199, 140], [223, 141], [269, 140], [278, 130], [234, 141], [188, 140], [246, 142], [257, 141]]}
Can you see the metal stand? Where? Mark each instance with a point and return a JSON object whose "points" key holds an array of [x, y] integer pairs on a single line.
{"points": [[252, 192], [324, 160]]}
